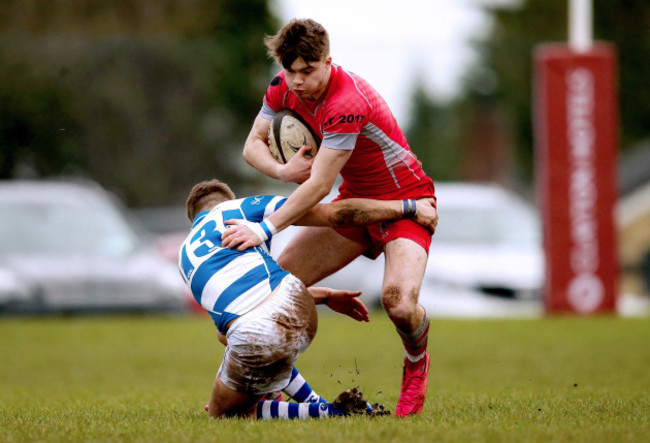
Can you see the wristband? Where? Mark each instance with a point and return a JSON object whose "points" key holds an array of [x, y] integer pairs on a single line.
{"points": [[409, 208], [257, 229]]}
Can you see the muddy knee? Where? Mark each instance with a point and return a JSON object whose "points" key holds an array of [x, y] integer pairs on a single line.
{"points": [[401, 307]]}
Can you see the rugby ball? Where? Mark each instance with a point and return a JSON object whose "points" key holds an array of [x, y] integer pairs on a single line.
{"points": [[288, 132]]}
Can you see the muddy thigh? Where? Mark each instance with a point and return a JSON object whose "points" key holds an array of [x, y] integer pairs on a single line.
{"points": [[263, 347], [258, 372], [297, 321]]}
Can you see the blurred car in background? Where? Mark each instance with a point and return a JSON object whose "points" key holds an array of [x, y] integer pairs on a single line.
{"points": [[68, 246], [486, 250], [488, 241]]}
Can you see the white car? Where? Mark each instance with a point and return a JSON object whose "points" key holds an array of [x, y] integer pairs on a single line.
{"points": [[487, 240], [485, 254], [67, 247]]}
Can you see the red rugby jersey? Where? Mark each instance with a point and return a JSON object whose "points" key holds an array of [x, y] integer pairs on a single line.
{"points": [[352, 115]]}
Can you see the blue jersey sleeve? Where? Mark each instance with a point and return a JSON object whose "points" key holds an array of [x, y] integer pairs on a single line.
{"points": [[258, 207]]}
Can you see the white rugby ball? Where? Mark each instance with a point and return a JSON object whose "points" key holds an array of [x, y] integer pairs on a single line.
{"points": [[288, 132]]}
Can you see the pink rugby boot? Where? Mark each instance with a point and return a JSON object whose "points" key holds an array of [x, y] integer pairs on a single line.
{"points": [[414, 387]]}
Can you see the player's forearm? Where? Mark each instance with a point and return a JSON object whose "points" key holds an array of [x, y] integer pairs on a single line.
{"points": [[358, 212], [299, 203], [319, 295], [256, 154], [323, 174], [256, 150], [361, 211]]}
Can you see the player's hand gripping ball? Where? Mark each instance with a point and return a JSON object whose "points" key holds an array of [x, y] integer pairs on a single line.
{"points": [[288, 132]]}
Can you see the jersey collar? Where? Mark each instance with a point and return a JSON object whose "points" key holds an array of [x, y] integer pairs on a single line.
{"points": [[199, 217]]}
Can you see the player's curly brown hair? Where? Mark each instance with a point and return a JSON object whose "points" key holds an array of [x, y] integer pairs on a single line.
{"points": [[212, 192], [304, 38]]}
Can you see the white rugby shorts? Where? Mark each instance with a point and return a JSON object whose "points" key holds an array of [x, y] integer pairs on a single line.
{"points": [[264, 343]]}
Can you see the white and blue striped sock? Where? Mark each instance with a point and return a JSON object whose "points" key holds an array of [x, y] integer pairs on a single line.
{"points": [[299, 390], [269, 409]]}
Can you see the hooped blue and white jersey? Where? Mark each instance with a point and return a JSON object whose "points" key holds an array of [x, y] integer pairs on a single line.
{"points": [[225, 282]]}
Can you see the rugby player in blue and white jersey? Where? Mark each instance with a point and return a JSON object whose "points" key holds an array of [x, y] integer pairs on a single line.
{"points": [[266, 314]]}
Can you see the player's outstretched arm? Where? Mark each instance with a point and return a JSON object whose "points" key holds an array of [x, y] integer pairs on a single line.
{"points": [[343, 302], [361, 211], [342, 213]]}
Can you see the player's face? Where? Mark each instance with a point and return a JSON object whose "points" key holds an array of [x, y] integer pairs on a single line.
{"points": [[308, 80]]}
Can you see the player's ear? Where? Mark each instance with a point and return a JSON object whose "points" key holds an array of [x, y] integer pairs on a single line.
{"points": [[328, 61]]}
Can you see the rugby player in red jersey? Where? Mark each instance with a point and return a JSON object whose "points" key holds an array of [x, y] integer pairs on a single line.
{"points": [[362, 141]]}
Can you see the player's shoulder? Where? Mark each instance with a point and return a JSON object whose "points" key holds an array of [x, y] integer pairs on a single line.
{"points": [[346, 108], [229, 204], [348, 90], [277, 92], [263, 203], [257, 200], [344, 82], [277, 83]]}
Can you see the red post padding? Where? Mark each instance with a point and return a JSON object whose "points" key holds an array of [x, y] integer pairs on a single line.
{"points": [[576, 144]]}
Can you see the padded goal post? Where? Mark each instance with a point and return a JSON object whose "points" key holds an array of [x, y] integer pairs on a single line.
{"points": [[576, 143]]}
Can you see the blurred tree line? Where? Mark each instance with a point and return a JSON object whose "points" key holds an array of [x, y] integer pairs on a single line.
{"points": [[144, 96], [487, 132], [149, 96]]}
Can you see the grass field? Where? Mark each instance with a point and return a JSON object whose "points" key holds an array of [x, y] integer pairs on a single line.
{"points": [[147, 378]]}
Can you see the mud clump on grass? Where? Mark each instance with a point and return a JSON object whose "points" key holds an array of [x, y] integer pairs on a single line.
{"points": [[351, 402]]}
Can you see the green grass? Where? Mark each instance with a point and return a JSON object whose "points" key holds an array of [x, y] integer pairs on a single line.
{"points": [[147, 379]]}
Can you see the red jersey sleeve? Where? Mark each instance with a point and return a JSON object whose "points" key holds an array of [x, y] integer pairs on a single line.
{"points": [[276, 92]]}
